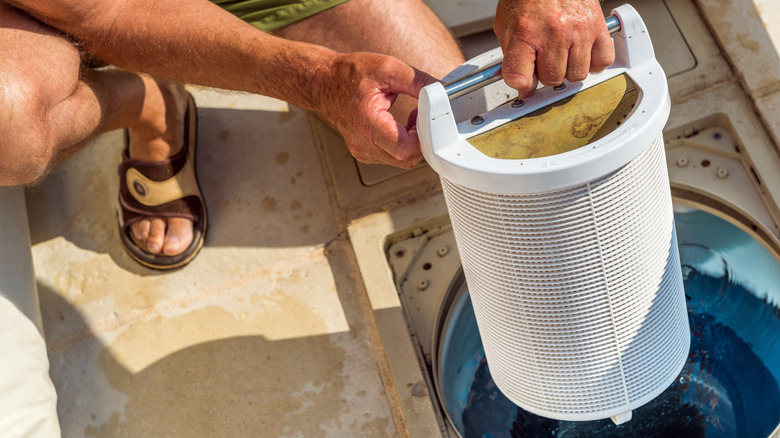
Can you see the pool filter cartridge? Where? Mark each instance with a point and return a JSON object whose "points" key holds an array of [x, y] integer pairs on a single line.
{"points": [[562, 213]]}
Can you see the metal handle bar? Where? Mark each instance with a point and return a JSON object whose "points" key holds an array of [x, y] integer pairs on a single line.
{"points": [[492, 72]]}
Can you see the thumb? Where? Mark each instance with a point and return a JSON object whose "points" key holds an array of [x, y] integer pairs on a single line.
{"points": [[518, 65], [408, 80]]}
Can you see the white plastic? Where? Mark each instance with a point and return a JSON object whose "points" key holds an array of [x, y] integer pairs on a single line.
{"points": [[622, 418], [572, 259]]}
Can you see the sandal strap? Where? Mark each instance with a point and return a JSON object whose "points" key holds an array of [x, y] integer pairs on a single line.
{"points": [[165, 188], [153, 193]]}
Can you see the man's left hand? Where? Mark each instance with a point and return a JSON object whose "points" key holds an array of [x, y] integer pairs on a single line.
{"points": [[551, 39]]}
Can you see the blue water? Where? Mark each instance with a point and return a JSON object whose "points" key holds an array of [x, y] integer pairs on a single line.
{"points": [[729, 385]]}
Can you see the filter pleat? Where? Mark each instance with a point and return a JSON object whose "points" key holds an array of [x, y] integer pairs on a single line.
{"points": [[577, 292]]}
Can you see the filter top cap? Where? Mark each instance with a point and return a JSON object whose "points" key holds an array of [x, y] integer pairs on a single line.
{"points": [[446, 148]]}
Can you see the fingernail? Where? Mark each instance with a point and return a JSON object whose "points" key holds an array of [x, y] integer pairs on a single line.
{"points": [[154, 247]]}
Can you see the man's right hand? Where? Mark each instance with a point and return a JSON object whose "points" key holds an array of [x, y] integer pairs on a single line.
{"points": [[195, 41], [355, 94]]}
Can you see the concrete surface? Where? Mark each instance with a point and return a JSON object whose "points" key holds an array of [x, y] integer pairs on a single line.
{"points": [[262, 335], [749, 32]]}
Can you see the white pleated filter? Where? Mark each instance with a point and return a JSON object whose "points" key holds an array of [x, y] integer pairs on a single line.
{"points": [[577, 292]]}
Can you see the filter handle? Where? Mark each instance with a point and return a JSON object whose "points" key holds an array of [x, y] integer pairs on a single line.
{"points": [[492, 72]]}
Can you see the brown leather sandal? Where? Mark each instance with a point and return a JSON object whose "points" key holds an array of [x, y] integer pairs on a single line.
{"points": [[167, 188]]}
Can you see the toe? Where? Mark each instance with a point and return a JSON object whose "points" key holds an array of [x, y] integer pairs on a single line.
{"points": [[140, 231], [156, 238], [178, 236]]}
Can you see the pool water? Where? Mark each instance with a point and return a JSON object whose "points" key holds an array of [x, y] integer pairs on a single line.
{"points": [[729, 386]]}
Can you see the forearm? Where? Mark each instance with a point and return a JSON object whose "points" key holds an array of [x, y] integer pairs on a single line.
{"points": [[191, 41], [195, 41]]}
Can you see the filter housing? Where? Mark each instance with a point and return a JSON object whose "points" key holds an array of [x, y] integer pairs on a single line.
{"points": [[571, 259]]}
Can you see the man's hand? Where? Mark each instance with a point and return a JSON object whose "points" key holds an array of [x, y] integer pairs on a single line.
{"points": [[355, 94], [551, 40]]}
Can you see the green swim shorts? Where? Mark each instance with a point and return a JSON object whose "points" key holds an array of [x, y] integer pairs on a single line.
{"points": [[268, 15]]}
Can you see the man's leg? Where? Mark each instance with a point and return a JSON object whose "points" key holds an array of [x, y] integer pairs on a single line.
{"points": [[50, 107], [405, 29]]}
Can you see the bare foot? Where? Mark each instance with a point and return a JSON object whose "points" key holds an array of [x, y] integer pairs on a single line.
{"points": [[159, 135]]}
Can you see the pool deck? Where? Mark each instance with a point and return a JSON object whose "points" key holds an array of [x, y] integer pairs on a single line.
{"points": [[283, 325]]}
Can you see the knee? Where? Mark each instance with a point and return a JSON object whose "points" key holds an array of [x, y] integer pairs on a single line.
{"points": [[26, 148], [20, 164], [28, 92]]}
